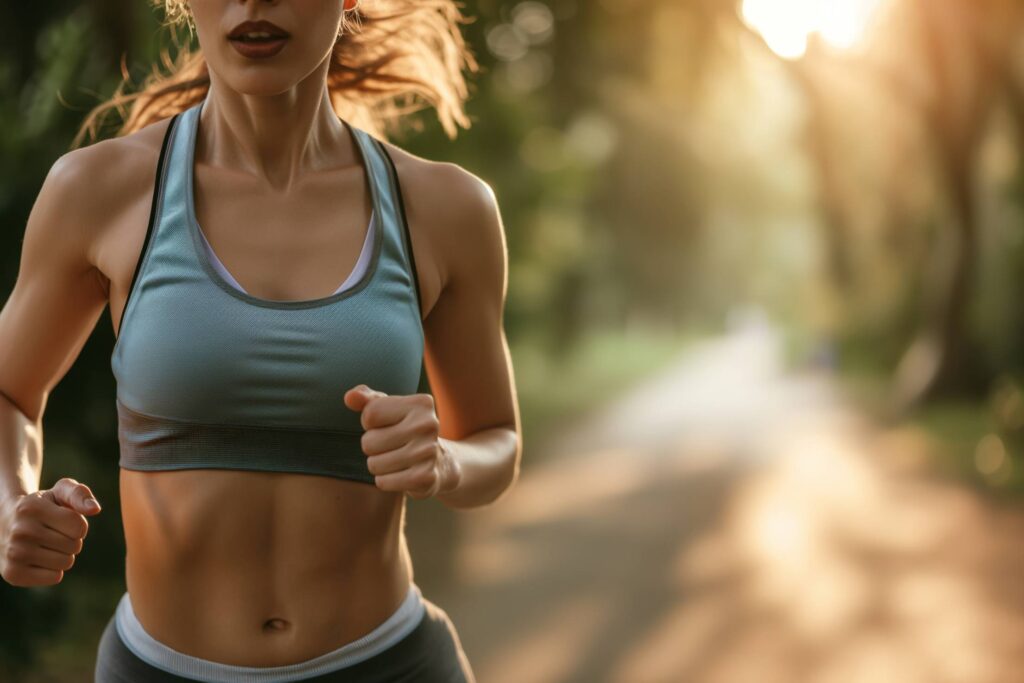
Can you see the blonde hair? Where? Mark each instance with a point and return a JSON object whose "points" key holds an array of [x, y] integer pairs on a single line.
{"points": [[392, 58]]}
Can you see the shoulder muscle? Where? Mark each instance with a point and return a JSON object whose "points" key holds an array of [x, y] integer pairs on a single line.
{"points": [[460, 212], [59, 291]]}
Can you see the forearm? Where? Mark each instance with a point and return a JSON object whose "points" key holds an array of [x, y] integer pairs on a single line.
{"points": [[21, 451], [489, 461]]}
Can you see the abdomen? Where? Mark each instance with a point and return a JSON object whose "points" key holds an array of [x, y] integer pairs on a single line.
{"points": [[261, 568]]}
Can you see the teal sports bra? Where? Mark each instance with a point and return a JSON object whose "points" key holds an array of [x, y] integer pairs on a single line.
{"points": [[209, 376]]}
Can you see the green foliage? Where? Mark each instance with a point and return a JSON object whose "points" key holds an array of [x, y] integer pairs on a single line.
{"points": [[982, 444], [554, 389], [28, 617]]}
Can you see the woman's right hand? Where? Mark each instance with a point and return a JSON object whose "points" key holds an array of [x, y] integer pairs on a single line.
{"points": [[42, 532]]}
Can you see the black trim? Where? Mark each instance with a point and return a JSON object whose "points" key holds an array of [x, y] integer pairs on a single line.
{"points": [[152, 219], [405, 224], [149, 442], [424, 386]]}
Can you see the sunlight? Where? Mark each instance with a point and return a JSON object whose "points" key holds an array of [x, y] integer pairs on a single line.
{"points": [[786, 25]]}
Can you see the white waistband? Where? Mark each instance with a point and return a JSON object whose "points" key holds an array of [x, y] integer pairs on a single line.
{"points": [[401, 622]]}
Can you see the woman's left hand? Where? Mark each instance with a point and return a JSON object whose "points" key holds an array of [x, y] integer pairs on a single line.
{"points": [[402, 442]]}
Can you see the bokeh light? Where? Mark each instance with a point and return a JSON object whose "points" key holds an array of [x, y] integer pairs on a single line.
{"points": [[787, 25]]}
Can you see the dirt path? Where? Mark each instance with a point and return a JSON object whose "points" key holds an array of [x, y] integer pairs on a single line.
{"points": [[729, 522]]}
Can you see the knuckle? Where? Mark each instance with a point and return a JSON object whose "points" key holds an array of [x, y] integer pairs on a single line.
{"points": [[14, 554], [66, 482], [370, 415], [424, 478], [77, 526], [20, 531], [428, 424], [69, 562], [24, 505], [426, 450]]}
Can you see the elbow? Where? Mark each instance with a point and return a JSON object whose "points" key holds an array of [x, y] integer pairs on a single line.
{"points": [[512, 467], [32, 415], [517, 459]]}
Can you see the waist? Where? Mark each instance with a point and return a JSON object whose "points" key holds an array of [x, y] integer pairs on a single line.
{"points": [[398, 624], [285, 566]]}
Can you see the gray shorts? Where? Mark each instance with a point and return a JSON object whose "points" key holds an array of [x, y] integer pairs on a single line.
{"points": [[429, 653]]}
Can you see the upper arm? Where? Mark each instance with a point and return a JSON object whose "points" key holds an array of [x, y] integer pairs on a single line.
{"points": [[467, 353], [58, 295]]}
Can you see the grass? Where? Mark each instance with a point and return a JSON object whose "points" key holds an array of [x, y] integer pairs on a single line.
{"points": [[965, 431], [552, 391], [962, 430]]}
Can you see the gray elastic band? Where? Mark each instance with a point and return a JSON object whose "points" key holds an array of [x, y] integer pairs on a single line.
{"points": [[401, 622]]}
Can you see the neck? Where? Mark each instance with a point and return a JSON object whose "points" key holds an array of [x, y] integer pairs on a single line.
{"points": [[275, 137]]}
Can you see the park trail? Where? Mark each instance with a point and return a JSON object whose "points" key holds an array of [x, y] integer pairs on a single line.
{"points": [[732, 521]]}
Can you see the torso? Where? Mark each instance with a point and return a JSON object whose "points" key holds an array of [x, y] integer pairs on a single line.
{"points": [[259, 568]]}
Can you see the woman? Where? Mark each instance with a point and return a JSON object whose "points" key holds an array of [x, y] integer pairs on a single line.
{"points": [[271, 422]]}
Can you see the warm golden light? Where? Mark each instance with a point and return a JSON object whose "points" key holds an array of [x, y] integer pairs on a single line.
{"points": [[786, 25]]}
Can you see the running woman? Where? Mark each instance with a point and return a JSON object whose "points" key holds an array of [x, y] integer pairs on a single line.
{"points": [[271, 421]]}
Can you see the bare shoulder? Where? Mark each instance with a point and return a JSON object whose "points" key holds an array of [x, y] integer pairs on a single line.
{"points": [[61, 288], [451, 187], [87, 190], [459, 211]]}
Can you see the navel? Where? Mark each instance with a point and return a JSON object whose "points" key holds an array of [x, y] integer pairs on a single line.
{"points": [[275, 624]]}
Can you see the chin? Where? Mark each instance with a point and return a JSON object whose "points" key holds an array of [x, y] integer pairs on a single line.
{"points": [[262, 78], [260, 85], [259, 79]]}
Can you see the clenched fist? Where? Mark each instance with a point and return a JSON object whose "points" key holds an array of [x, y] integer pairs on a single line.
{"points": [[42, 532], [402, 444]]}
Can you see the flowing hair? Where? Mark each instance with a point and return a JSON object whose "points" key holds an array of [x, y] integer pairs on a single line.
{"points": [[392, 58]]}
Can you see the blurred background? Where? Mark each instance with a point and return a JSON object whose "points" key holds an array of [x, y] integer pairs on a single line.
{"points": [[765, 261]]}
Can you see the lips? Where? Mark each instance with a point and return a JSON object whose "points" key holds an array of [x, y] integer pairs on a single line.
{"points": [[258, 39], [261, 26]]}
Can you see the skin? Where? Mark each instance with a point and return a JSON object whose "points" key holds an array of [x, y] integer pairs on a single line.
{"points": [[278, 578]]}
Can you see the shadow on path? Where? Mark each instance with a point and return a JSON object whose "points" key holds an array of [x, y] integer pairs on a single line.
{"points": [[731, 522]]}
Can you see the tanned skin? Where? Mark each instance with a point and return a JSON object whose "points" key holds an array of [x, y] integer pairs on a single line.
{"points": [[243, 567]]}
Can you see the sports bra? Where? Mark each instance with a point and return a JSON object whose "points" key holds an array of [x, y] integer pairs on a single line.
{"points": [[354, 276], [210, 376]]}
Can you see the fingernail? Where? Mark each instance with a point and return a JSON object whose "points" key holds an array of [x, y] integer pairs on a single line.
{"points": [[92, 503]]}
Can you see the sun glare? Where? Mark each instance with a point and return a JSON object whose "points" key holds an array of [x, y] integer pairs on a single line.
{"points": [[787, 25]]}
